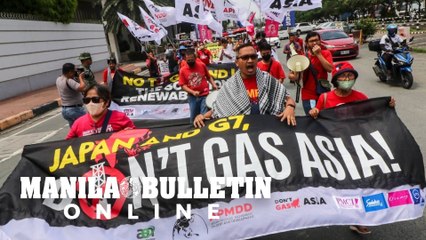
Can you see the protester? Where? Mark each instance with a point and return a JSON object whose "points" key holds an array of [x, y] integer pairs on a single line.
{"points": [[292, 44], [299, 40], [152, 64], [227, 55], [109, 72], [69, 91], [99, 118], [250, 91], [86, 72], [171, 58], [269, 64], [193, 79], [344, 77], [204, 54], [321, 64]]}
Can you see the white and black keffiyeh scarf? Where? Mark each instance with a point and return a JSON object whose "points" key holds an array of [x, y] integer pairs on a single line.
{"points": [[233, 99]]}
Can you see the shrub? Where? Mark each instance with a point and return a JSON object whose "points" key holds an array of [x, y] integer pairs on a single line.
{"points": [[367, 26]]}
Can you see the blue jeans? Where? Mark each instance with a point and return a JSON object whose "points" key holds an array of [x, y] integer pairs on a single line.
{"points": [[307, 105], [197, 105], [72, 113]]}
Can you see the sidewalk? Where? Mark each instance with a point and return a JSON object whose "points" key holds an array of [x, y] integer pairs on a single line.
{"points": [[20, 108]]}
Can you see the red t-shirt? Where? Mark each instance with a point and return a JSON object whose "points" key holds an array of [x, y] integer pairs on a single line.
{"points": [[195, 78], [276, 71], [333, 100], [252, 90], [85, 126], [302, 47], [204, 56], [309, 85], [105, 74]]}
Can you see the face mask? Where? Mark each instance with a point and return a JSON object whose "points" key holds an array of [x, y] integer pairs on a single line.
{"points": [[266, 57], [191, 64], [94, 108], [346, 85]]}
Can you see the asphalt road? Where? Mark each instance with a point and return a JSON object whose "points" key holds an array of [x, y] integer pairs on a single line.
{"points": [[410, 108]]}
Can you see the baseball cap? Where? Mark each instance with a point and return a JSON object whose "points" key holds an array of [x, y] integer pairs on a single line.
{"points": [[84, 56]]}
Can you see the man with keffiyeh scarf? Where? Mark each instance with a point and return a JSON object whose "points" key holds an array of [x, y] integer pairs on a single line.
{"points": [[250, 91]]}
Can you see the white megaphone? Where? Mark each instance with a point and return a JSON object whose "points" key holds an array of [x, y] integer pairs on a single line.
{"points": [[297, 63]]}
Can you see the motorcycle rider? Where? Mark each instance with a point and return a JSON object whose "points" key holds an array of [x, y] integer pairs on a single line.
{"points": [[388, 43]]}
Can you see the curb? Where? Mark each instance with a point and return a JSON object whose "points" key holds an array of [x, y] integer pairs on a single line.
{"points": [[23, 116]]}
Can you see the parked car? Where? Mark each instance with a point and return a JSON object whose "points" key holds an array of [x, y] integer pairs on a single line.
{"points": [[347, 28], [302, 27], [282, 33], [274, 41], [338, 43]]}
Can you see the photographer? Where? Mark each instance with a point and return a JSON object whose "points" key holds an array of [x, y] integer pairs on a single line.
{"points": [[69, 91]]}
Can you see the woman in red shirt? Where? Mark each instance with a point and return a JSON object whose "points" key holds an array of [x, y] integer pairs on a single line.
{"points": [[99, 118], [344, 77]]}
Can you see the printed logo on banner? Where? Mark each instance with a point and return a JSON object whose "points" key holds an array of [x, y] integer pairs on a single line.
{"points": [[374, 202], [348, 202], [146, 233], [193, 228], [399, 198], [286, 203], [130, 112], [417, 196], [314, 201], [233, 214]]}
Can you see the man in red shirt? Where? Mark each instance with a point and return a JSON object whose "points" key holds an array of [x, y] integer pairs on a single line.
{"points": [[321, 65], [269, 64], [300, 42], [204, 54], [109, 72], [250, 91], [193, 79]]}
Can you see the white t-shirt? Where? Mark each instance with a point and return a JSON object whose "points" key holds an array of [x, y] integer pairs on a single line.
{"points": [[388, 45], [230, 52]]}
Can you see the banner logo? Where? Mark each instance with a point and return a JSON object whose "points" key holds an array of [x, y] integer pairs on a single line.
{"points": [[193, 228], [287, 203], [374, 202], [399, 198], [348, 202], [146, 233], [233, 214], [314, 201], [417, 196]]}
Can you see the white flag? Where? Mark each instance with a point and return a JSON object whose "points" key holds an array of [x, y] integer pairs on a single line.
{"points": [[210, 19], [166, 16], [226, 10], [188, 11], [156, 29], [140, 33], [276, 9]]}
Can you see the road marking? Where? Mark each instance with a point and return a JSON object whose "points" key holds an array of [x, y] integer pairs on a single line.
{"points": [[32, 126], [38, 141]]}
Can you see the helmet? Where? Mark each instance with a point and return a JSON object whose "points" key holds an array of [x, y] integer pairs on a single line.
{"points": [[392, 29]]}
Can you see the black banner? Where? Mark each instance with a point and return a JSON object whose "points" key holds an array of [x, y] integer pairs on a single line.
{"points": [[355, 146]]}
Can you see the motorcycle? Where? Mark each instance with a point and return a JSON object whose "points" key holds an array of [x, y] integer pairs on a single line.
{"points": [[401, 64]]}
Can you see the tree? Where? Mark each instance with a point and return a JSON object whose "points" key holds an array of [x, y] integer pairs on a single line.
{"points": [[129, 8], [50, 10]]}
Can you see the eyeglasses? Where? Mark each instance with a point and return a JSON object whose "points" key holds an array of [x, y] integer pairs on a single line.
{"points": [[86, 100], [313, 41], [246, 57], [348, 76]]}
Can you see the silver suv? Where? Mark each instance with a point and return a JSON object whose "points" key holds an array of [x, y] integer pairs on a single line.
{"points": [[302, 27]]}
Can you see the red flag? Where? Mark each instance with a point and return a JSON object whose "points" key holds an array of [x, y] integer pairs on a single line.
{"points": [[271, 28]]}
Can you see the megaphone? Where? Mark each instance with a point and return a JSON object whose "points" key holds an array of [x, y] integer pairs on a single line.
{"points": [[297, 63]]}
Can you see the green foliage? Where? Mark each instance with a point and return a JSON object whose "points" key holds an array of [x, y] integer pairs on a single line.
{"points": [[50, 10], [367, 26]]}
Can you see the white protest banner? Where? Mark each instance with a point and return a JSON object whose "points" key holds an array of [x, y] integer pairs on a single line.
{"points": [[166, 16], [156, 29], [140, 33], [277, 9]]}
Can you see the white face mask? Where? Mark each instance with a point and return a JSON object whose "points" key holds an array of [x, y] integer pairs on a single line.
{"points": [[94, 109]]}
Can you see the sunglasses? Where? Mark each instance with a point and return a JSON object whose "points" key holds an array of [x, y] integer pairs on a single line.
{"points": [[86, 100], [246, 57]]}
